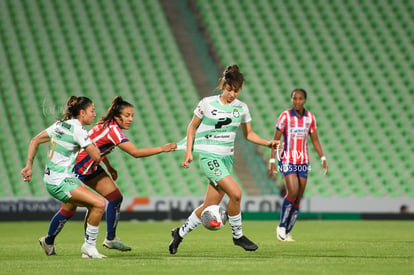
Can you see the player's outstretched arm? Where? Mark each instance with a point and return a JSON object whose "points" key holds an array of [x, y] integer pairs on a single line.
{"points": [[251, 136], [130, 148]]}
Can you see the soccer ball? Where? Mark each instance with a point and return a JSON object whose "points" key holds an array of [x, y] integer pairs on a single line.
{"points": [[214, 217]]}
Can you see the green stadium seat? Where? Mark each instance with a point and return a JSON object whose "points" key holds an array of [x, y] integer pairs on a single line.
{"points": [[106, 48], [99, 49], [350, 73]]}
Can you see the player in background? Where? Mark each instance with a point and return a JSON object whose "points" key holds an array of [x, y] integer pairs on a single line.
{"points": [[295, 125], [67, 137], [106, 134], [212, 132]]}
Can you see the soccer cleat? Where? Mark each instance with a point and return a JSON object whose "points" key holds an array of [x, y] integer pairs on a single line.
{"points": [[116, 244], [90, 252], [244, 242], [281, 233], [48, 248], [175, 242], [289, 238]]}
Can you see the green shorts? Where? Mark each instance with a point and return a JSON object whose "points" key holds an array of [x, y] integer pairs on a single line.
{"points": [[62, 191], [216, 167]]}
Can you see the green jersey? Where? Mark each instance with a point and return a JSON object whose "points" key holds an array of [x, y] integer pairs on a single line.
{"points": [[217, 131], [66, 140]]}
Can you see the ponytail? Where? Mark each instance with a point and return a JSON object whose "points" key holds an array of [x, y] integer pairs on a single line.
{"points": [[118, 104], [74, 105]]}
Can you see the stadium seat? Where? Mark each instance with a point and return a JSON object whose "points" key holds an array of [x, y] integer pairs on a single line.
{"points": [[351, 68], [353, 58], [99, 49]]}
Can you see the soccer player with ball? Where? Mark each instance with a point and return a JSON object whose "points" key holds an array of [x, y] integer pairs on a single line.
{"points": [[212, 132]]}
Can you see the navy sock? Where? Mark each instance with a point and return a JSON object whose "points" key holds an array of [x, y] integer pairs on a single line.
{"points": [[112, 213], [285, 211], [57, 223], [292, 218]]}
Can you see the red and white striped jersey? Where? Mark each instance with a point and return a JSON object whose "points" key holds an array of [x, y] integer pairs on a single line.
{"points": [[106, 137], [295, 131]]}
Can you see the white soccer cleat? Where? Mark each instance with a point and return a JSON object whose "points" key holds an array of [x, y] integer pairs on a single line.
{"points": [[281, 233], [289, 238], [90, 252], [49, 249]]}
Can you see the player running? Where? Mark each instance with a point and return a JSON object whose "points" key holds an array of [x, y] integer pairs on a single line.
{"points": [[295, 124], [67, 137], [212, 132], [106, 134]]}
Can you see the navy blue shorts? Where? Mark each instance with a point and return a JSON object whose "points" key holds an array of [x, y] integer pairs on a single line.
{"points": [[301, 170], [86, 178]]}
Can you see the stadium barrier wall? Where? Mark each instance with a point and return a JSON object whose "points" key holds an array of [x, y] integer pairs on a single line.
{"points": [[253, 208]]}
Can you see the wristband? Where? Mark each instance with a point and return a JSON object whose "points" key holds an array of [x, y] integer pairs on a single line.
{"points": [[323, 158], [272, 161]]}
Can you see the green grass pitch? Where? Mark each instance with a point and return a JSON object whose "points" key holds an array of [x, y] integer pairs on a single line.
{"points": [[321, 247]]}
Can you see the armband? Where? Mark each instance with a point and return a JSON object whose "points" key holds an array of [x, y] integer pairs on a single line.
{"points": [[323, 158]]}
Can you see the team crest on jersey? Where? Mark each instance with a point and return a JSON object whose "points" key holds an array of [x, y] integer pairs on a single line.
{"points": [[217, 172], [236, 113]]}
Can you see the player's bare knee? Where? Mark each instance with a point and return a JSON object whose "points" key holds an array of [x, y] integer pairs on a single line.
{"points": [[236, 197], [100, 205]]}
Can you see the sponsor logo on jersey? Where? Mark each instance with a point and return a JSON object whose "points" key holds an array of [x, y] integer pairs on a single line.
{"points": [[298, 130], [221, 136], [59, 132], [234, 113], [216, 136], [66, 125]]}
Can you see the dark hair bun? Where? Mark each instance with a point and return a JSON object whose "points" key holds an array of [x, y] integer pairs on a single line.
{"points": [[117, 100], [231, 69]]}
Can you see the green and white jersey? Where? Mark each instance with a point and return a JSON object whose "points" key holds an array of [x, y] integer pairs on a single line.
{"points": [[66, 140], [217, 131]]}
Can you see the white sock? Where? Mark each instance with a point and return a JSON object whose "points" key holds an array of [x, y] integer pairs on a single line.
{"points": [[191, 223], [236, 226], [91, 234]]}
